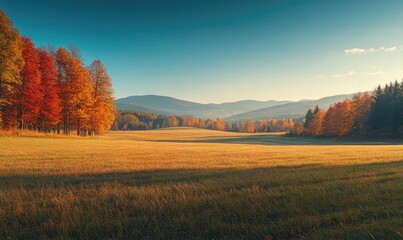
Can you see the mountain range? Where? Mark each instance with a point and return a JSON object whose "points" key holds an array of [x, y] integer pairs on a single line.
{"points": [[230, 111]]}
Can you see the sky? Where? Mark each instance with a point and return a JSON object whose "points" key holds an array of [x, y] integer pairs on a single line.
{"points": [[214, 51]]}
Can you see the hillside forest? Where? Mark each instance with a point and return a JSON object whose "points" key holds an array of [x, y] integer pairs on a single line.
{"points": [[375, 115], [134, 120]]}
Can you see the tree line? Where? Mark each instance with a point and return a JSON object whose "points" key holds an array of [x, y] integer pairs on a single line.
{"points": [[134, 120], [365, 115], [51, 90]]}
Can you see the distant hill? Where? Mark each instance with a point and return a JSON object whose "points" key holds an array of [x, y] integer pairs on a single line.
{"points": [[140, 108], [168, 106], [230, 111], [247, 105], [292, 109], [161, 104]]}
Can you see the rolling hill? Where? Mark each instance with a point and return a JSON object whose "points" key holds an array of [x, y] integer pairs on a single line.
{"points": [[293, 109], [230, 111], [168, 106], [140, 108]]}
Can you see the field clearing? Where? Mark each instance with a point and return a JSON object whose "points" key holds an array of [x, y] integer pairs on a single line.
{"points": [[199, 184]]}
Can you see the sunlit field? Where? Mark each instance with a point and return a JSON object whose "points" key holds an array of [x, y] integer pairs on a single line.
{"points": [[199, 184]]}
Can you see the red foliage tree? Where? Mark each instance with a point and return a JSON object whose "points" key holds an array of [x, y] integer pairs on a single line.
{"points": [[50, 113], [31, 93]]}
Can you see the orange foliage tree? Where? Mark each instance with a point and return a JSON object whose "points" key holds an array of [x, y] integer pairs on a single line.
{"points": [[247, 126], [103, 112], [362, 108], [80, 93], [316, 125], [346, 118]]}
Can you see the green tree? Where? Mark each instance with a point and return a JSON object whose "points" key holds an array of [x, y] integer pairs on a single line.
{"points": [[308, 118]]}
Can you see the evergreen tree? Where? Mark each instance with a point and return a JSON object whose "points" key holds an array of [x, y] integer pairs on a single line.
{"points": [[377, 114], [308, 118], [316, 110]]}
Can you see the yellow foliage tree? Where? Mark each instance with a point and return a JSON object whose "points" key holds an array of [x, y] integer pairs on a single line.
{"points": [[11, 64]]}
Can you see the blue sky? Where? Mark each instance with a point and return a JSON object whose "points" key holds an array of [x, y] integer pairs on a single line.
{"points": [[218, 51]]}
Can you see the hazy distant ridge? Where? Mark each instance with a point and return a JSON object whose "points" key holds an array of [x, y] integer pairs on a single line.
{"points": [[293, 109], [246, 109], [169, 105]]}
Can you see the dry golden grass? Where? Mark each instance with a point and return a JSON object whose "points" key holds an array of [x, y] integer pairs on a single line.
{"points": [[29, 133], [202, 184]]}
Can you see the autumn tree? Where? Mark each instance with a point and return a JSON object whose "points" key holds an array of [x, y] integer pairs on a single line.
{"points": [[103, 112], [247, 126], [362, 108], [11, 64], [340, 120], [173, 121], [273, 125], [219, 125], [31, 95], [50, 111], [210, 124], [261, 126], [329, 122], [200, 123], [39, 88], [62, 60], [80, 94], [76, 92], [298, 129], [345, 118], [290, 123], [316, 125]]}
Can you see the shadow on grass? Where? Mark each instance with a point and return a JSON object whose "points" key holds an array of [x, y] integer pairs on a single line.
{"points": [[178, 176], [306, 201], [287, 140]]}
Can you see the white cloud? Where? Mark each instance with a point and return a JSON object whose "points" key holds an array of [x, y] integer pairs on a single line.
{"points": [[351, 73], [354, 51], [339, 75], [376, 73], [391, 49]]}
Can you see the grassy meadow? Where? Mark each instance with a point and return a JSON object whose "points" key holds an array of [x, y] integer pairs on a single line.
{"points": [[199, 184]]}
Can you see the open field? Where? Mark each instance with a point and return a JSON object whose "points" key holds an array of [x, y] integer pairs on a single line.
{"points": [[199, 184]]}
